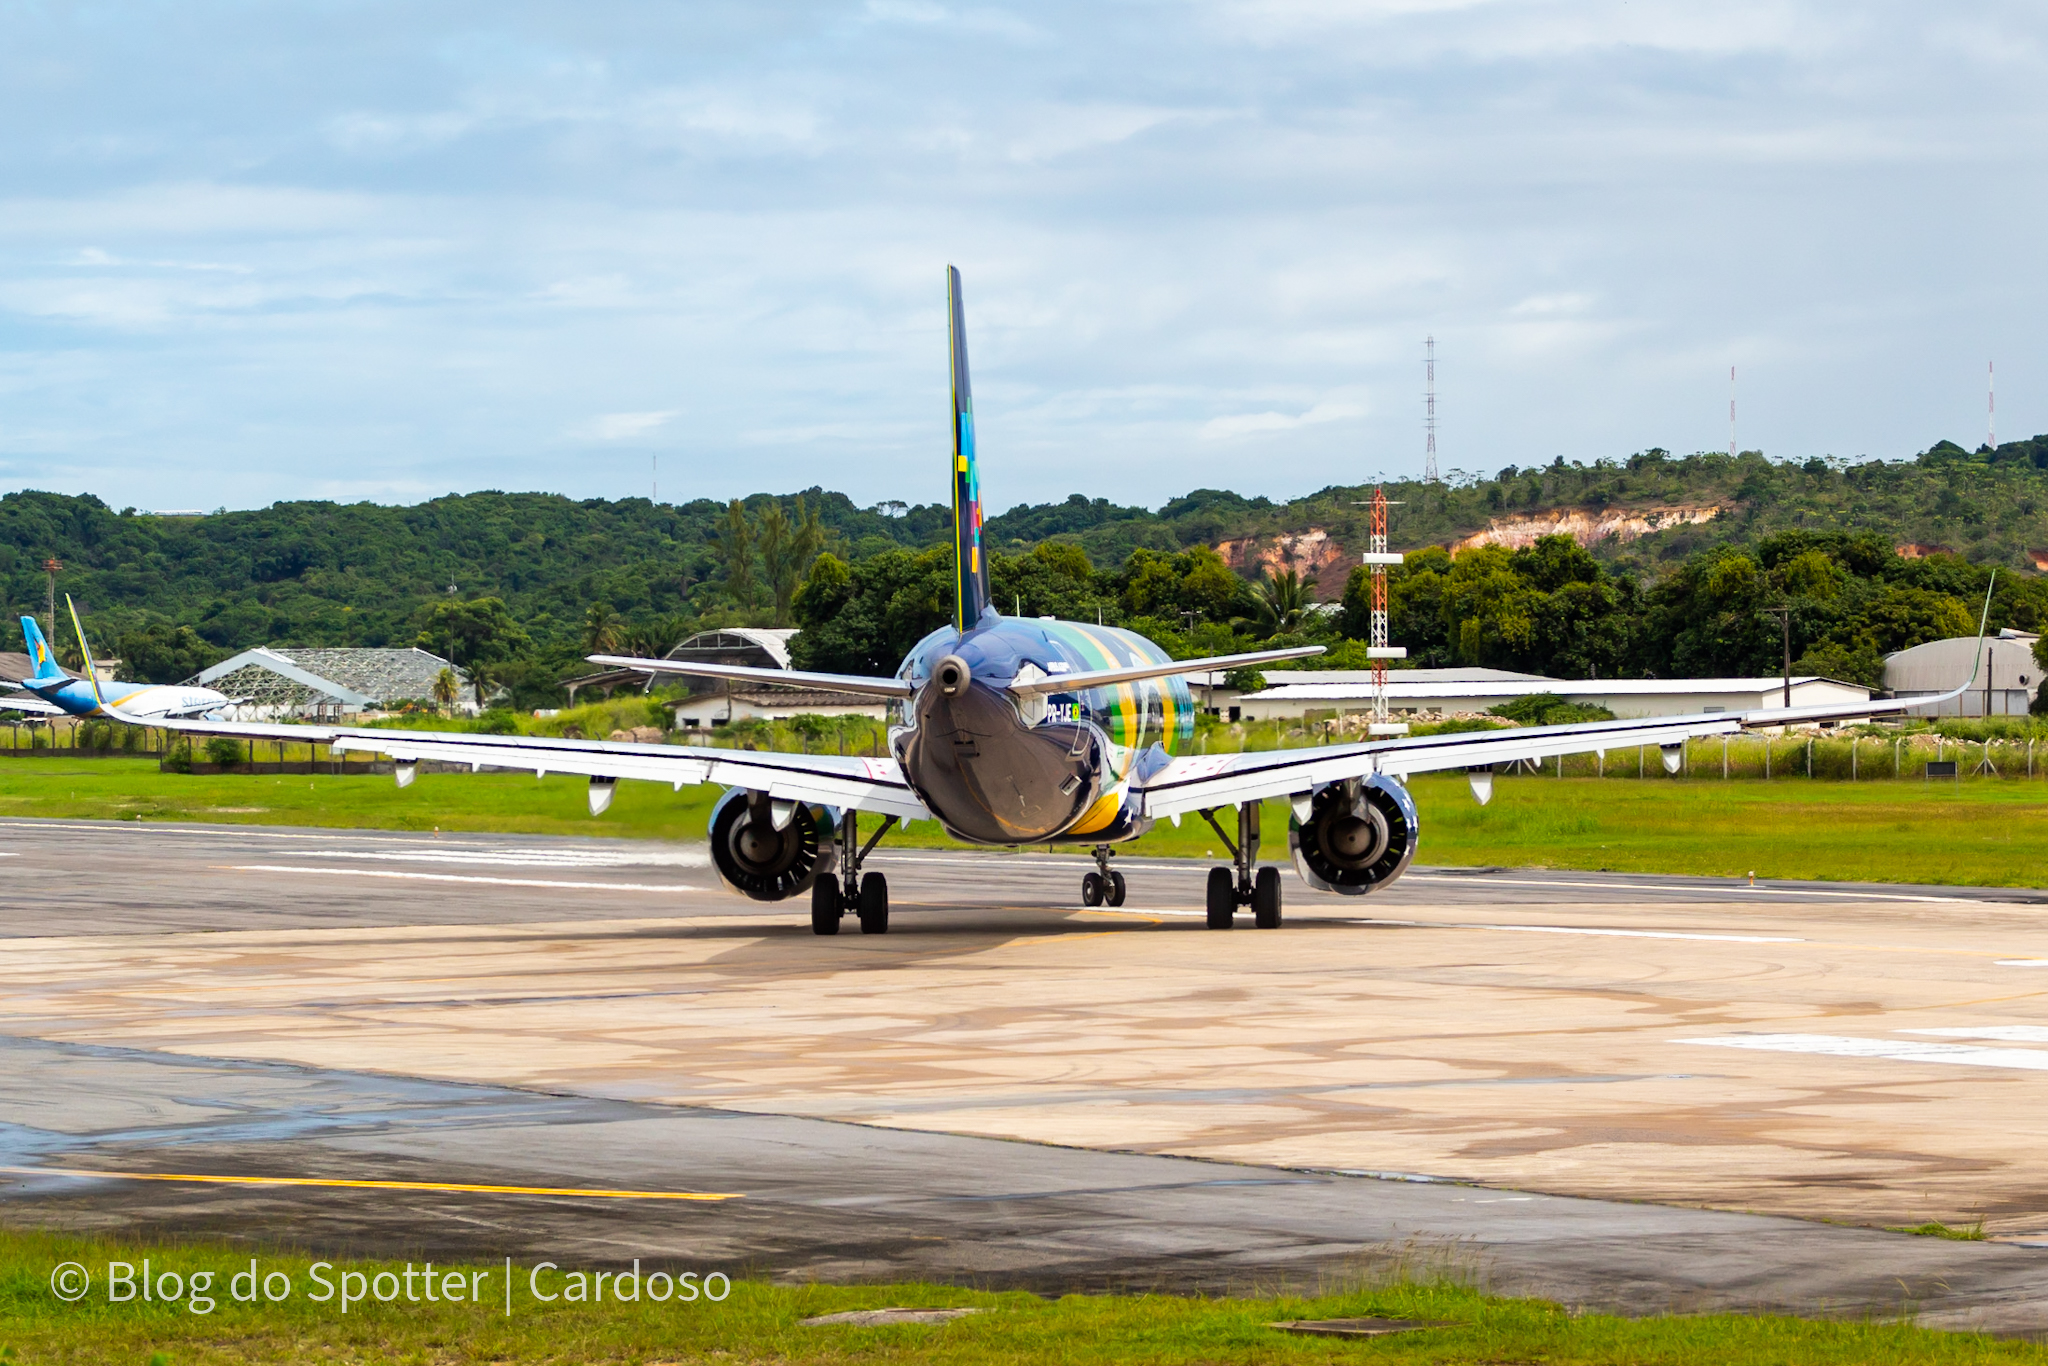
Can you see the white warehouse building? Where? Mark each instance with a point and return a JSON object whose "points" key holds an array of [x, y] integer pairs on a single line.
{"points": [[1293, 693]]}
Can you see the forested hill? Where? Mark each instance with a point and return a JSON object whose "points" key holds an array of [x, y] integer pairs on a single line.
{"points": [[172, 593]]}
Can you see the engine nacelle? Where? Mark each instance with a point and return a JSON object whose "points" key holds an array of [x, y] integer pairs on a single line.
{"points": [[769, 850], [1357, 835]]}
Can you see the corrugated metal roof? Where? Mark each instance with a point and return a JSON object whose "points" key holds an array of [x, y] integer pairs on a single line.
{"points": [[1940, 665], [291, 675]]}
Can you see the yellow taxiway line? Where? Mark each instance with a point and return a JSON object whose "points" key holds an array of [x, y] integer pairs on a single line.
{"points": [[461, 1187]]}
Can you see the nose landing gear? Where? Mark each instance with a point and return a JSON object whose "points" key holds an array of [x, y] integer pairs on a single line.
{"points": [[1243, 883], [1104, 886], [865, 896]]}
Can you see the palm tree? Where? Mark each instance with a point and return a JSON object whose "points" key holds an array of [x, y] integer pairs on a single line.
{"points": [[600, 629], [447, 687], [1280, 604], [482, 678]]}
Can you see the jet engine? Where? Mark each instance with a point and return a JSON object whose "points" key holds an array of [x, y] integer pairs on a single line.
{"points": [[768, 849], [1353, 836]]}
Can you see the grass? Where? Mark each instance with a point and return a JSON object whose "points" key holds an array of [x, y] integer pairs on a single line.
{"points": [[1968, 1233], [1979, 832], [759, 1322]]}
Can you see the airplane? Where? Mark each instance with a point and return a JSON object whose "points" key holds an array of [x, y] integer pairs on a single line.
{"points": [[50, 691], [1010, 731]]}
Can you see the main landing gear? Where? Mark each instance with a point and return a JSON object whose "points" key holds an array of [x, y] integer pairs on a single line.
{"points": [[1104, 886], [865, 896], [1243, 883]]}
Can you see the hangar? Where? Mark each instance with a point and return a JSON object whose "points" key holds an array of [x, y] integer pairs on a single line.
{"points": [[2009, 681], [320, 683], [709, 703]]}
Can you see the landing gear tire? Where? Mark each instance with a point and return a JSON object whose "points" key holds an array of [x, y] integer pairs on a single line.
{"points": [[1091, 889], [1113, 890], [1222, 898], [1266, 899], [826, 906], [874, 904]]}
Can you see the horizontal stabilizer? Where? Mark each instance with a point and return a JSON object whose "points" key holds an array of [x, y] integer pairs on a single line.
{"points": [[787, 678], [1104, 678]]}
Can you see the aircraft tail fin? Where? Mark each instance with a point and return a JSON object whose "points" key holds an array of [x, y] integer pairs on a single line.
{"points": [[47, 670], [970, 568]]}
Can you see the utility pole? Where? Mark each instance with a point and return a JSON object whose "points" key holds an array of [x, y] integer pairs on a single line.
{"points": [[52, 567], [1991, 406], [1784, 616]]}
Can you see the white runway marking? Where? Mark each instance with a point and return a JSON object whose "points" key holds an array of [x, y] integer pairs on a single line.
{"points": [[458, 877], [522, 858], [1835, 1046], [1581, 929], [2023, 962], [1486, 880], [2005, 1033]]}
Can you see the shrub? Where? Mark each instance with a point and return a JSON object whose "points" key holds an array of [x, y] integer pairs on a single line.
{"points": [[1548, 709], [497, 721], [224, 751]]}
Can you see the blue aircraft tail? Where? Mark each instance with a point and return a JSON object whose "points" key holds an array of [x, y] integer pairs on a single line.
{"points": [[40, 654], [970, 567]]}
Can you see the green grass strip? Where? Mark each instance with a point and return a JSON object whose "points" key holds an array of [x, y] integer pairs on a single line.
{"points": [[759, 1322]]}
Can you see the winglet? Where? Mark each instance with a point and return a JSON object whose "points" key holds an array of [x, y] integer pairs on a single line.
{"points": [[1983, 625], [92, 674]]}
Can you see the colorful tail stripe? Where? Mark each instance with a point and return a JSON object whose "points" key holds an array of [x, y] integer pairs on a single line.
{"points": [[970, 569]]}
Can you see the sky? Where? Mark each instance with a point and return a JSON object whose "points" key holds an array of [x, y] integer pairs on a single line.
{"points": [[357, 250]]}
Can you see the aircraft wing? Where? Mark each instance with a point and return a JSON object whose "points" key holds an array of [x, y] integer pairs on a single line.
{"points": [[844, 781], [1197, 782], [31, 704]]}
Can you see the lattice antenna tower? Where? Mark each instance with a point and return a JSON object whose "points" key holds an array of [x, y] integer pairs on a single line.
{"points": [[1991, 405], [1377, 650], [1731, 412], [1429, 474]]}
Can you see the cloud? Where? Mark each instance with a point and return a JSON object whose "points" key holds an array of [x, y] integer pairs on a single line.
{"points": [[1257, 424], [426, 251], [623, 426]]}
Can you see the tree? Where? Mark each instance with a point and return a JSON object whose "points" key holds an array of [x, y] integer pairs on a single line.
{"points": [[864, 618], [479, 631], [482, 679], [1280, 604], [161, 653], [600, 629], [735, 540], [788, 549], [447, 687]]}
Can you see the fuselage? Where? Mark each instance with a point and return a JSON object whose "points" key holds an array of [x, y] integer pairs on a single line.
{"points": [[995, 767], [75, 695]]}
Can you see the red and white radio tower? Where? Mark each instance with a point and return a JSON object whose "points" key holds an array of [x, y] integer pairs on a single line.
{"points": [[1377, 650]]}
